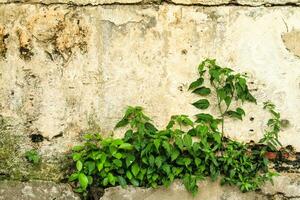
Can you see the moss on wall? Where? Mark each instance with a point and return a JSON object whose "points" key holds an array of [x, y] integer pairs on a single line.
{"points": [[14, 166]]}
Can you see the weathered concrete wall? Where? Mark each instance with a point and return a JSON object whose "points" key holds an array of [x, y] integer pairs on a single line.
{"points": [[68, 68], [285, 187]]}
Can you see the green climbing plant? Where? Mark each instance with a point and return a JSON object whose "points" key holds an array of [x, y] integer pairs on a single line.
{"points": [[188, 149]]}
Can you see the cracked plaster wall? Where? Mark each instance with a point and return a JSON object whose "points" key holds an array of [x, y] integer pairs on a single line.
{"points": [[66, 69]]}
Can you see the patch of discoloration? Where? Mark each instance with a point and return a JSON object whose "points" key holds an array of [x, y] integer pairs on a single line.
{"points": [[25, 45], [60, 33], [31, 100], [292, 41], [13, 164], [3, 37]]}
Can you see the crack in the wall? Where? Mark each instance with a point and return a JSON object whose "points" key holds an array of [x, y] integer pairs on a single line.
{"points": [[232, 3]]}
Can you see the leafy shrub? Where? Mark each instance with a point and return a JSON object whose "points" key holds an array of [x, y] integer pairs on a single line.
{"points": [[186, 149]]}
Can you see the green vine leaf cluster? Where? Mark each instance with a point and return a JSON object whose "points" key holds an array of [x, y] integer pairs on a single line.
{"points": [[228, 86], [271, 136], [188, 149]]}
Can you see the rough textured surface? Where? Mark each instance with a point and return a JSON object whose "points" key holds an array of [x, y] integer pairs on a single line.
{"points": [[66, 70], [180, 2], [36, 190], [287, 186], [291, 40]]}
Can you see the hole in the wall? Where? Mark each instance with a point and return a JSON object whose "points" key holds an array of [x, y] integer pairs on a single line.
{"points": [[251, 119], [25, 53], [36, 138], [251, 130], [184, 51], [290, 148], [180, 88], [61, 134]]}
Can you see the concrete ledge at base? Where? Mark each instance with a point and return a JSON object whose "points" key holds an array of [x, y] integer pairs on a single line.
{"points": [[286, 186], [181, 2], [36, 190]]}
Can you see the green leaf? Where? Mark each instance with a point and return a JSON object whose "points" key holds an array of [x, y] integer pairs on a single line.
{"points": [[73, 177], [83, 180], [128, 135], [100, 166], [150, 127], [251, 98], [201, 104], [135, 169], [79, 165], [117, 155], [76, 156], [234, 114], [179, 142], [166, 168], [117, 142], [187, 141], [129, 175], [122, 181], [126, 146], [157, 144], [202, 91], [167, 147], [158, 161], [129, 159], [95, 155], [111, 179], [174, 154], [122, 123], [90, 180], [112, 149], [79, 190], [227, 100], [78, 148], [221, 94], [196, 83], [170, 124], [135, 182], [217, 138], [197, 161], [240, 111], [151, 160], [202, 130], [204, 117], [187, 161], [90, 166], [117, 162], [105, 181]]}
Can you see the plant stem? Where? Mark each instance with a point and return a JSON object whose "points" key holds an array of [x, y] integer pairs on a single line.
{"points": [[220, 109]]}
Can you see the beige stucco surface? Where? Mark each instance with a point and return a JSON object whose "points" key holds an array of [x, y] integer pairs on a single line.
{"points": [[84, 65], [285, 187], [67, 70]]}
